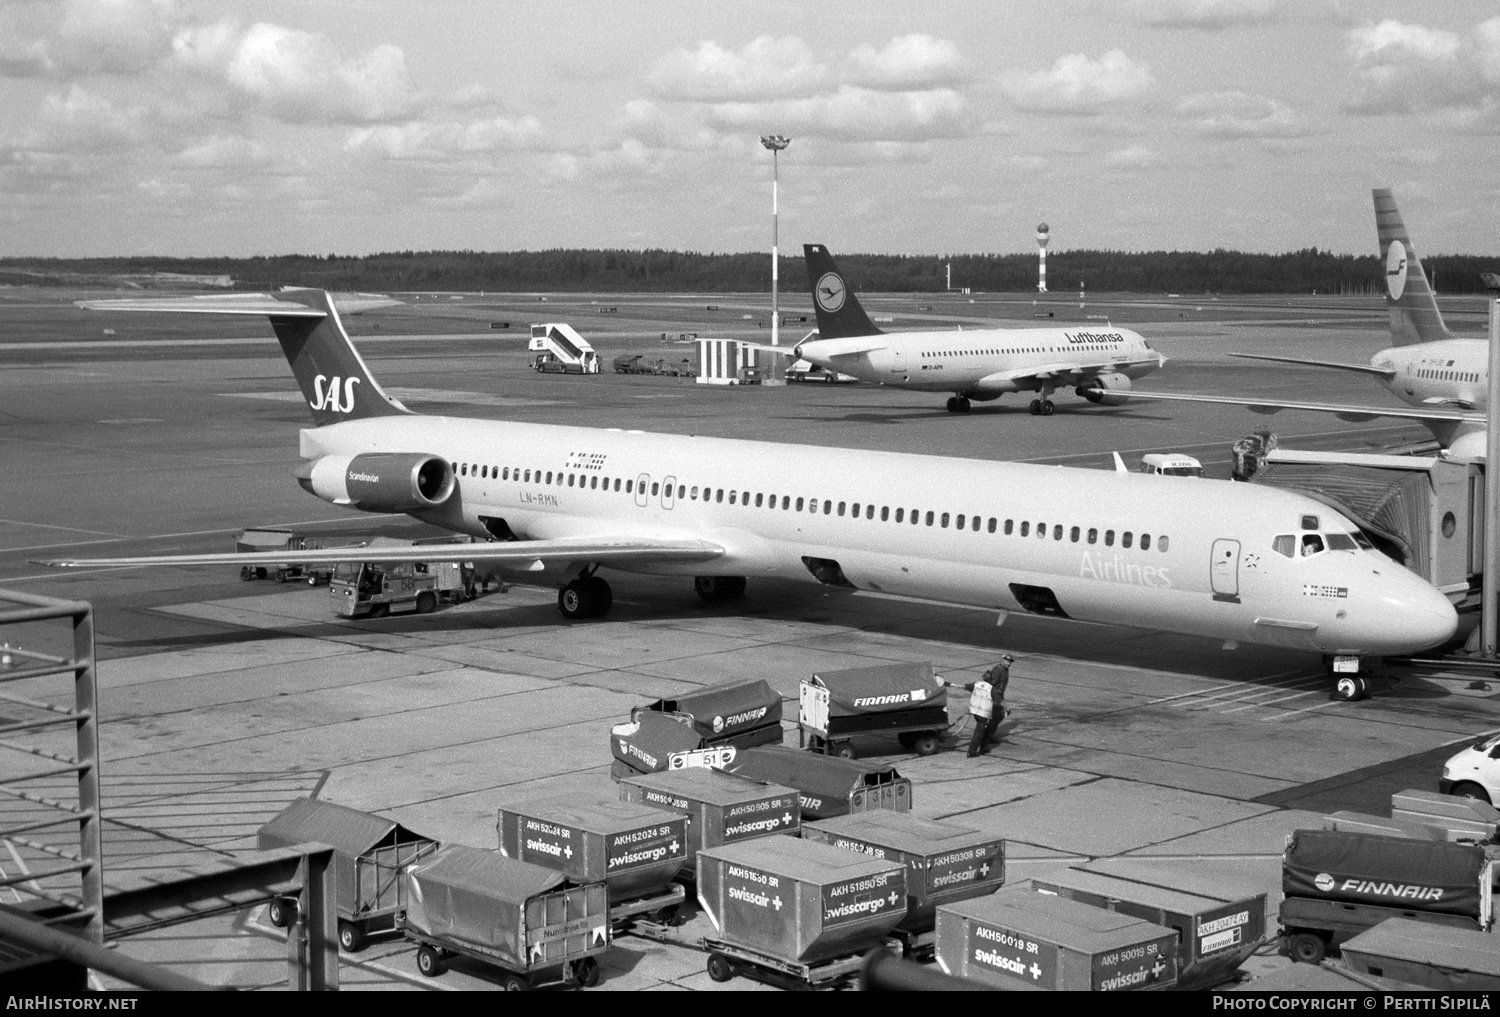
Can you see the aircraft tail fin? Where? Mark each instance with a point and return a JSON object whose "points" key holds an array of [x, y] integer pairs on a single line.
{"points": [[1415, 317], [840, 315], [333, 377]]}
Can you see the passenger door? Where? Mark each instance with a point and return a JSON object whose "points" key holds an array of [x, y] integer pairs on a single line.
{"points": [[642, 497], [1224, 570], [668, 492]]}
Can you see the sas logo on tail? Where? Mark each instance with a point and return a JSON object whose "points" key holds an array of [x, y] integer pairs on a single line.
{"points": [[329, 400]]}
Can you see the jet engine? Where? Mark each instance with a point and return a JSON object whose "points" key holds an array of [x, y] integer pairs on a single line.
{"points": [[1106, 390], [380, 481]]}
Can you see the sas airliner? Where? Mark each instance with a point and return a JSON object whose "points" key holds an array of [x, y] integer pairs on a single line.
{"points": [[1444, 379], [1231, 562], [982, 364]]}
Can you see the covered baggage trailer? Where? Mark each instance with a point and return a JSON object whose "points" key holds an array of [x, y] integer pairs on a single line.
{"points": [[1427, 955], [634, 849], [827, 786], [1336, 884], [1215, 934], [944, 862], [790, 909], [268, 538], [901, 699], [1020, 939], [737, 715], [1456, 818], [721, 808], [369, 854], [525, 919]]}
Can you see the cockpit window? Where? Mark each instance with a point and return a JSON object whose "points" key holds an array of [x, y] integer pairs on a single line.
{"points": [[1286, 544], [1312, 544], [1309, 522], [1340, 542], [1361, 540]]}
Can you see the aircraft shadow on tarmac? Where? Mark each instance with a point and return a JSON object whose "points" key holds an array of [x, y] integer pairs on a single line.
{"points": [[887, 415]]}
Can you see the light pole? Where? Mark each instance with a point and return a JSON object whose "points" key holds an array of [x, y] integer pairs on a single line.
{"points": [[775, 142]]}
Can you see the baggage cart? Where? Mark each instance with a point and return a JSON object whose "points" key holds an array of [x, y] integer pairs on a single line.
{"points": [[1337, 884], [533, 923], [784, 908], [721, 808], [268, 538], [1360, 822], [1454, 817], [369, 853], [1427, 955], [1215, 935], [944, 862], [635, 850], [736, 715], [827, 786], [901, 699], [1020, 939]]}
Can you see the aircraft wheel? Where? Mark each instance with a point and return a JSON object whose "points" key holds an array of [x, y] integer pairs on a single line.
{"points": [[1351, 689], [428, 962], [712, 588], [953, 404], [1306, 948], [426, 603], [574, 601], [963, 405], [1047, 407], [1035, 407], [600, 593], [1471, 790]]}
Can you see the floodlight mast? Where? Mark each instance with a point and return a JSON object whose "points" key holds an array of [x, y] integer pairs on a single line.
{"points": [[1489, 598], [775, 142]]}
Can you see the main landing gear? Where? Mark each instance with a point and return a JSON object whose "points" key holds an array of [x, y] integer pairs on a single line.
{"points": [[958, 404], [588, 596], [1042, 407], [715, 588]]}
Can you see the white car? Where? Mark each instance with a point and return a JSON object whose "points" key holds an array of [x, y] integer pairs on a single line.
{"points": [[1474, 772], [801, 370]]}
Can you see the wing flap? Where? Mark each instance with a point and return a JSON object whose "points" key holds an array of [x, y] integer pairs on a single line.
{"points": [[521, 554], [1379, 372]]}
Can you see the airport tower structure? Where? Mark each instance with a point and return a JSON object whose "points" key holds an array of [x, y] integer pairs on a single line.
{"points": [[1043, 234]]}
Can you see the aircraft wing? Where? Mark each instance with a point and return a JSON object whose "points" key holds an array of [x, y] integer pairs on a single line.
{"points": [[1070, 370], [521, 555], [1354, 414], [261, 304], [1379, 372]]}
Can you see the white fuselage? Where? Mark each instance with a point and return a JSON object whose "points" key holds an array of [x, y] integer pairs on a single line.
{"points": [[1451, 372], [997, 535], [986, 363]]}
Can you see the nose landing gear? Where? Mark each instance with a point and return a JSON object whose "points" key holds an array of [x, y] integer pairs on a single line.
{"points": [[1351, 682]]}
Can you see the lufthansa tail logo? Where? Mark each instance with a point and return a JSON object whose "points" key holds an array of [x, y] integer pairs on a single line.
{"points": [[830, 292], [329, 400]]}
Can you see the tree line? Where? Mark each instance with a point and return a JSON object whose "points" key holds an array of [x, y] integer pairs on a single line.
{"points": [[564, 270]]}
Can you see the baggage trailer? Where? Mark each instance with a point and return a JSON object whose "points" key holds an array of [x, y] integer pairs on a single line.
{"points": [[793, 910], [533, 923], [1336, 884], [944, 862], [1215, 935], [266, 538], [721, 808], [827, 786], [1454, 817], [1020, 939], [635, 850], [369, 853], [736, 715], [901, 699], [1426, 955]]}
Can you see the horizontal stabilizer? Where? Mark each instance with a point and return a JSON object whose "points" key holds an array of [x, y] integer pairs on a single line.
{"points": [[1342, 411], [1379, 372], [518, 554], [265, 304]]}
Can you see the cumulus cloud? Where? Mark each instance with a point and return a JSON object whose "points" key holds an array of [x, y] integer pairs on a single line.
{"points": [[1203, 15], [765, 68], [1241, 115], [444, 140], [80, 37], [906, 63], [1076, 84], [1134, 157], [223, 152], [1406, 68], [855, 114]]}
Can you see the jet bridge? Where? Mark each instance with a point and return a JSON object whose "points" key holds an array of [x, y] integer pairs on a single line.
{"points": [[1426, 512]]}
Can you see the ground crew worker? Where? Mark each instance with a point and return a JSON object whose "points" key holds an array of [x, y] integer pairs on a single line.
{"points": [[987, 704]]}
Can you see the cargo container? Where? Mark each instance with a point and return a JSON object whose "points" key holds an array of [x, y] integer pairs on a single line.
{"points": [[721, 808], [1359, 822], [1215, 934], [1020, 939], [738, 715], [634, 849], [369, 853], [1337, 884], [1456, 818], [530, 921], [794, 908], [944, 861], [826, 785], [901, 699], [1431, 956]]}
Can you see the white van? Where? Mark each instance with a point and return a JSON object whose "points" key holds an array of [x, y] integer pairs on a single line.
{"points": [[1474, 772], [1171, 464]]}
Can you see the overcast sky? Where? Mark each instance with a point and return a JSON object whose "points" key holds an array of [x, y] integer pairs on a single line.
{"points": [[200, 127]]}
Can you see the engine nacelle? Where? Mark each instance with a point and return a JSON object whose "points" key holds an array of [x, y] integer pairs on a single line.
{"points": [[1107, 390], [380, 481]]}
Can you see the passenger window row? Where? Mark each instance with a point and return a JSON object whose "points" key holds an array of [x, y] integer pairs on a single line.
{"points": [[828, 507]]}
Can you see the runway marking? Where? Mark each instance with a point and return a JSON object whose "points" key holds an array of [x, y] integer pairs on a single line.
{"points": [[51, 526], [1224, 690]]}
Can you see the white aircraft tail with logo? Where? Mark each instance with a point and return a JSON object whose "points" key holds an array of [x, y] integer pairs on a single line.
{"points": [[1414, 311]]}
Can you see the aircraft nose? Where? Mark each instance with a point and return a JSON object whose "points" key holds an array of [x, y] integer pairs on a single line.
{"points": [[1415, 615]]}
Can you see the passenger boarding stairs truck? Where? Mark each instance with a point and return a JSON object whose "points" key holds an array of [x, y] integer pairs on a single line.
{"points": [[561, 350]]}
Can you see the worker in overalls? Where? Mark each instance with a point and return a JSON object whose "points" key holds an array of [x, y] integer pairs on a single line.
{"points": [[987, 704]]}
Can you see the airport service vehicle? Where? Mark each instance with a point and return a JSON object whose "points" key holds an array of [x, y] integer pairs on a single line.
{"points": [[1474, 772], [1444, 380], [369, 853], [901, 699], [379, 588], [804, 371], [533, 923], [561, 350], [1336, 884], [1099, 364], [266, 538], [826, 786], [564, 502], [1170, 464]]}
